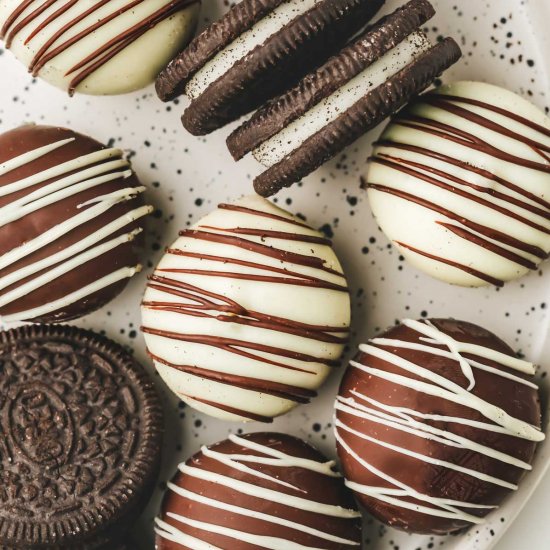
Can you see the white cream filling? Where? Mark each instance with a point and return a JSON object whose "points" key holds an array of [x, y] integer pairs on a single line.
{"points": [[245, 43], [326, 111]]}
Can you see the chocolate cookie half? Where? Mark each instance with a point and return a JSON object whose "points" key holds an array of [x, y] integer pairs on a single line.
{"points": [[81, 428], [254, 52], [352, 92]]}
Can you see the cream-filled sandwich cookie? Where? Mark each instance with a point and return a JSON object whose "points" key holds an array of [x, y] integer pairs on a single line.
{"points": [[247, 312], [102, 47], [353, 91], [460, 182], [255, 51]]}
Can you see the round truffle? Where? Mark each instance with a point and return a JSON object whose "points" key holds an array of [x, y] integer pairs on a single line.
{"points": [[71, 216], [262, 490], [459, 181], [103, 47], [247, 312], [81, 433], [436, 422]]}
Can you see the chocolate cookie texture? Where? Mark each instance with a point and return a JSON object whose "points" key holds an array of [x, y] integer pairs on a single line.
{"points": [[103, 47], [247, 312], [436, 422], [262, 490], [353, 91], [70, 224], [256, 51], [459, 183], [81, 431]]}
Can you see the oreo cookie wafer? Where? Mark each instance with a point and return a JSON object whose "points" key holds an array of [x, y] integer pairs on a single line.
{"points": [[81, 427], [352, 92], [255, 51]]}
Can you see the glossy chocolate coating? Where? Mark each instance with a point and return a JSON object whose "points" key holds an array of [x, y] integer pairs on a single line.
{"points": [[518, 400], [313, 486], [14, 234]]}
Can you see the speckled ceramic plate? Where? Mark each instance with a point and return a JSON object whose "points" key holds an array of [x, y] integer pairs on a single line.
{"points": [[503, 43]]}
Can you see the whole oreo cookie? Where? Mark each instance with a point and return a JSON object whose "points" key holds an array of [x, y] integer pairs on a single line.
{"points": [[81, 428], [368, 80], [254, 52]]}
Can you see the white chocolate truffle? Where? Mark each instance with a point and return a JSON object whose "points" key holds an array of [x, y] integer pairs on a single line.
{"points": [[102, 48], [459, 181], [247, 312]]}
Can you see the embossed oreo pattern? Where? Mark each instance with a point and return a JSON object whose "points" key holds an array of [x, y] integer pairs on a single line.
{"points": [[81, 428]]}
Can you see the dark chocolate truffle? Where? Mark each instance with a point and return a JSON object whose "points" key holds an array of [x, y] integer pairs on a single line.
{"points": [[71, 216], [436, 422], [262, 490], [81, 431]]}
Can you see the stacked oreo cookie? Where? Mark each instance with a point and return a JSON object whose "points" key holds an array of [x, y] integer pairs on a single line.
{"points": [[254, 56]]}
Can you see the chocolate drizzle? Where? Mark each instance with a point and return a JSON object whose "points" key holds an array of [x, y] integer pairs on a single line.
{"points": [[61, 26], [70, 224], [217, 274], [489, 170]]}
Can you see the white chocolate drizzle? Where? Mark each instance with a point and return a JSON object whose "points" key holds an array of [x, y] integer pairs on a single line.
{"points": [[85, 172], [267, 455], [412, 422]]}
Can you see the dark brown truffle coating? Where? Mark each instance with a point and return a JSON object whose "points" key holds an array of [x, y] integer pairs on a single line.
{"points": [[516, 399], [26, 138], [314, 486]]}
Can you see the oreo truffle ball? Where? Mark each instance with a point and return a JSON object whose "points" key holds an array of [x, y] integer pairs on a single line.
{"points": [[262, 490], [459, 181], [436, 422], [105, 47], [71, 216], [81, 434], [247, 313]]}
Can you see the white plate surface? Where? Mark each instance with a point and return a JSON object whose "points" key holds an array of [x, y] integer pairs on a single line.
{"points": [[504, 43]]}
